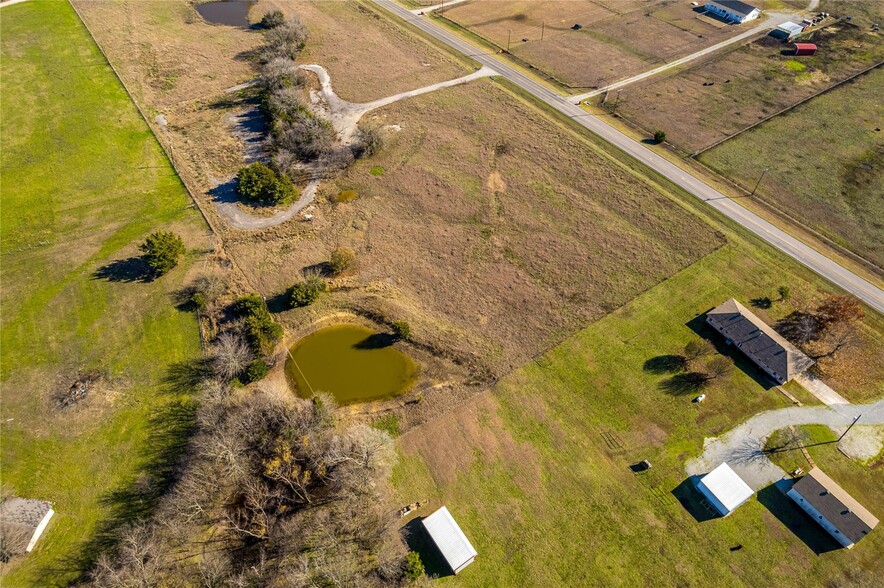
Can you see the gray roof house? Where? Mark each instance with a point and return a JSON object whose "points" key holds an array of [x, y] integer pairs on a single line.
{"points": [[23, 521], [759, 342], [832, 507], [733, 10]]}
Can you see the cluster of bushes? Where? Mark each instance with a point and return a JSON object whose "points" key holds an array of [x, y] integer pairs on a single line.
{"points": [[298, 137], [305, 292]]}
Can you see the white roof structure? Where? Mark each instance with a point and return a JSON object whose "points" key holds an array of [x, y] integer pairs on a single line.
{"points": [[791, 28], [452, 543], [724, 489]]}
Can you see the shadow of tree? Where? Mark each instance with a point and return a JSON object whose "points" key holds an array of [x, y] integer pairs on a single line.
{"points": [[666, 364], [774, 499], [415, 536], [280, 302], [169, 432], [133, 269], [682, 384], [186, 376], [763, 302], [376, 341]]}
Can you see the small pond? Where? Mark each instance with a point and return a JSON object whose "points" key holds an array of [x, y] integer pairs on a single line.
{"points": [[352, 363], [234, 13]]}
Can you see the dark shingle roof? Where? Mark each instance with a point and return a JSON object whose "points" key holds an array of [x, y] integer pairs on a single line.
{"points": [[23, 511], [759, 341], [734, 6], [834, 503]]}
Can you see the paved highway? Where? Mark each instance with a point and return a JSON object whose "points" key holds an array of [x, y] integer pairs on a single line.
{"points": [[847, 280]]}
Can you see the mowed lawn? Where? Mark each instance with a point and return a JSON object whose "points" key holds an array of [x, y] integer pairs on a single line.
{"points": [[825, 161], [536, 471], [84, 181]]}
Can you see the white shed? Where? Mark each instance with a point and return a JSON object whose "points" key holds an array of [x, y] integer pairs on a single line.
{"points": [[724, 489], [452, 543]]}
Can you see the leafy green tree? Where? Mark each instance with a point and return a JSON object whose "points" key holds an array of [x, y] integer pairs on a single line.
{"points": [[257, 370], [659, 136], [162, 251], [341, 259], [402, 330], [305, 292], [262, 333], [259, 183], [414, 567], [250, 304]]}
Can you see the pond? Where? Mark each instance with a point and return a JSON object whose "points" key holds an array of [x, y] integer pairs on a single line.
{"points": [[234, 13], [352, 363]]}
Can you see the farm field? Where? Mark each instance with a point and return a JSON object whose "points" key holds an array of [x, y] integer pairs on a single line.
{"points": [[84, 182], [710, 100], [536, 470], [618, 38], [825, 163], [493, 231]]}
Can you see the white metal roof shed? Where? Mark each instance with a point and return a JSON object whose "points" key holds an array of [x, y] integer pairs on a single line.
{"points": [[724, 489], [446, 534]]}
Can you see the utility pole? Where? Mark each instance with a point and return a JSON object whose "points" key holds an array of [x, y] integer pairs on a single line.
{"points": [[764, 171], [508, 35]]}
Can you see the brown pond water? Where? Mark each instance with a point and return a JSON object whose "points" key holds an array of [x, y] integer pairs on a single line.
{"points": [[352, 363], [234, 13]]}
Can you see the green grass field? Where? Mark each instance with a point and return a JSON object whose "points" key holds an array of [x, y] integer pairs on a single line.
{"points": [[536, 471], [84, 181], [825, 162]]}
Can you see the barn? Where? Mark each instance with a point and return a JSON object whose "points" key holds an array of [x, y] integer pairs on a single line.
{"points": [[451, 541]]}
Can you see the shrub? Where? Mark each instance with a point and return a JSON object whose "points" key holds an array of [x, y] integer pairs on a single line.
{"points": [[784, 292], [389, 423], [250, 304], [368, 142], [402, 330], [277, 74], [262, 333], [341, 259], [414, 567], [286, 40], [376, 171], [259, 183], [231, 356], [305, 135], [162, 251], [198, 300], [697, 349], [659, 136], [257, 370], [272, 19], [307, 291]]}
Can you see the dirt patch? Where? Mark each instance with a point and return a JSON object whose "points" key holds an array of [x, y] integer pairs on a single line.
{"points": [[448, 444], [863, 443]]}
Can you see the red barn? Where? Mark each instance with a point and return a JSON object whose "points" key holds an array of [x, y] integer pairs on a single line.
{"points": [[805, 49]]}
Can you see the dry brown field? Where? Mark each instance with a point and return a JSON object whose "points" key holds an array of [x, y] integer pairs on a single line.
{"points": [[617, 38], [491, 230], [745, 85]]}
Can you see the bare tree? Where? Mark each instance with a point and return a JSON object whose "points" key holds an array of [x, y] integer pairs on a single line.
{"points": [[137, 565], [232, 355], [719, 367], [286, 40], [279, 73], [698, 348]]}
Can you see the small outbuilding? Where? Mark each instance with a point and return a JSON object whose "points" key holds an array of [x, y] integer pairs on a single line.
{"points": [[724, 489], [23, 521], [805, 49], [791, 29], [451, 541], [832, 507]]}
